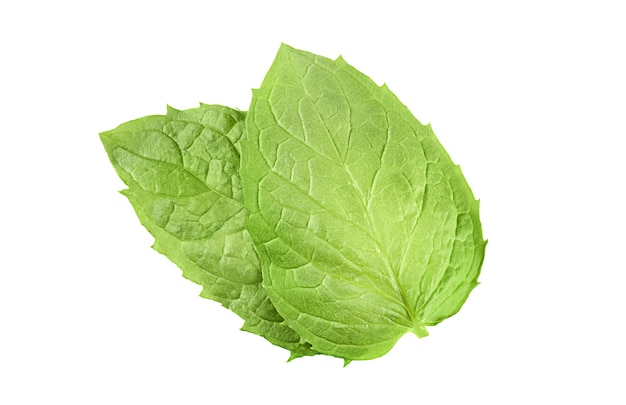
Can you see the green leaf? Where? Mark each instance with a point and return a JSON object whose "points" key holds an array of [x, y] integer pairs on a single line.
{"points": [[365, 228], [181, 170]]}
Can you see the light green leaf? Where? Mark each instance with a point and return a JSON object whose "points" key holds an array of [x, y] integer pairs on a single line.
{"points": [[365, 228], [181, 170]]}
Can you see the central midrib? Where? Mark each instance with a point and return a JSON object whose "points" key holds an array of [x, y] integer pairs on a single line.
{"points": [[393, 276]]}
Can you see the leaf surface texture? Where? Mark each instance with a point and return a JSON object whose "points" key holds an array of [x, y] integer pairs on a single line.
{"points": [[365, 228], [182, 173]]}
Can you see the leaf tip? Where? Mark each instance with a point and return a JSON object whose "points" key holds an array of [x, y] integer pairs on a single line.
{"points": [[285, 49], [105, 137]]}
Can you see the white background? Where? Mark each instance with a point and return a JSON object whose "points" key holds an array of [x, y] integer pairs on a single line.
{"points": [[530, 99]]}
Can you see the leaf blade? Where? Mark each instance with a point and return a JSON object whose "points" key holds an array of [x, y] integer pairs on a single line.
{"points": [[352, 207], [182, 170]]}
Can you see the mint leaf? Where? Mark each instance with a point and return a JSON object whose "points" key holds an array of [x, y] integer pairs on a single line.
{"points": [[181, 170], [365, 228], [356, 227]]}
